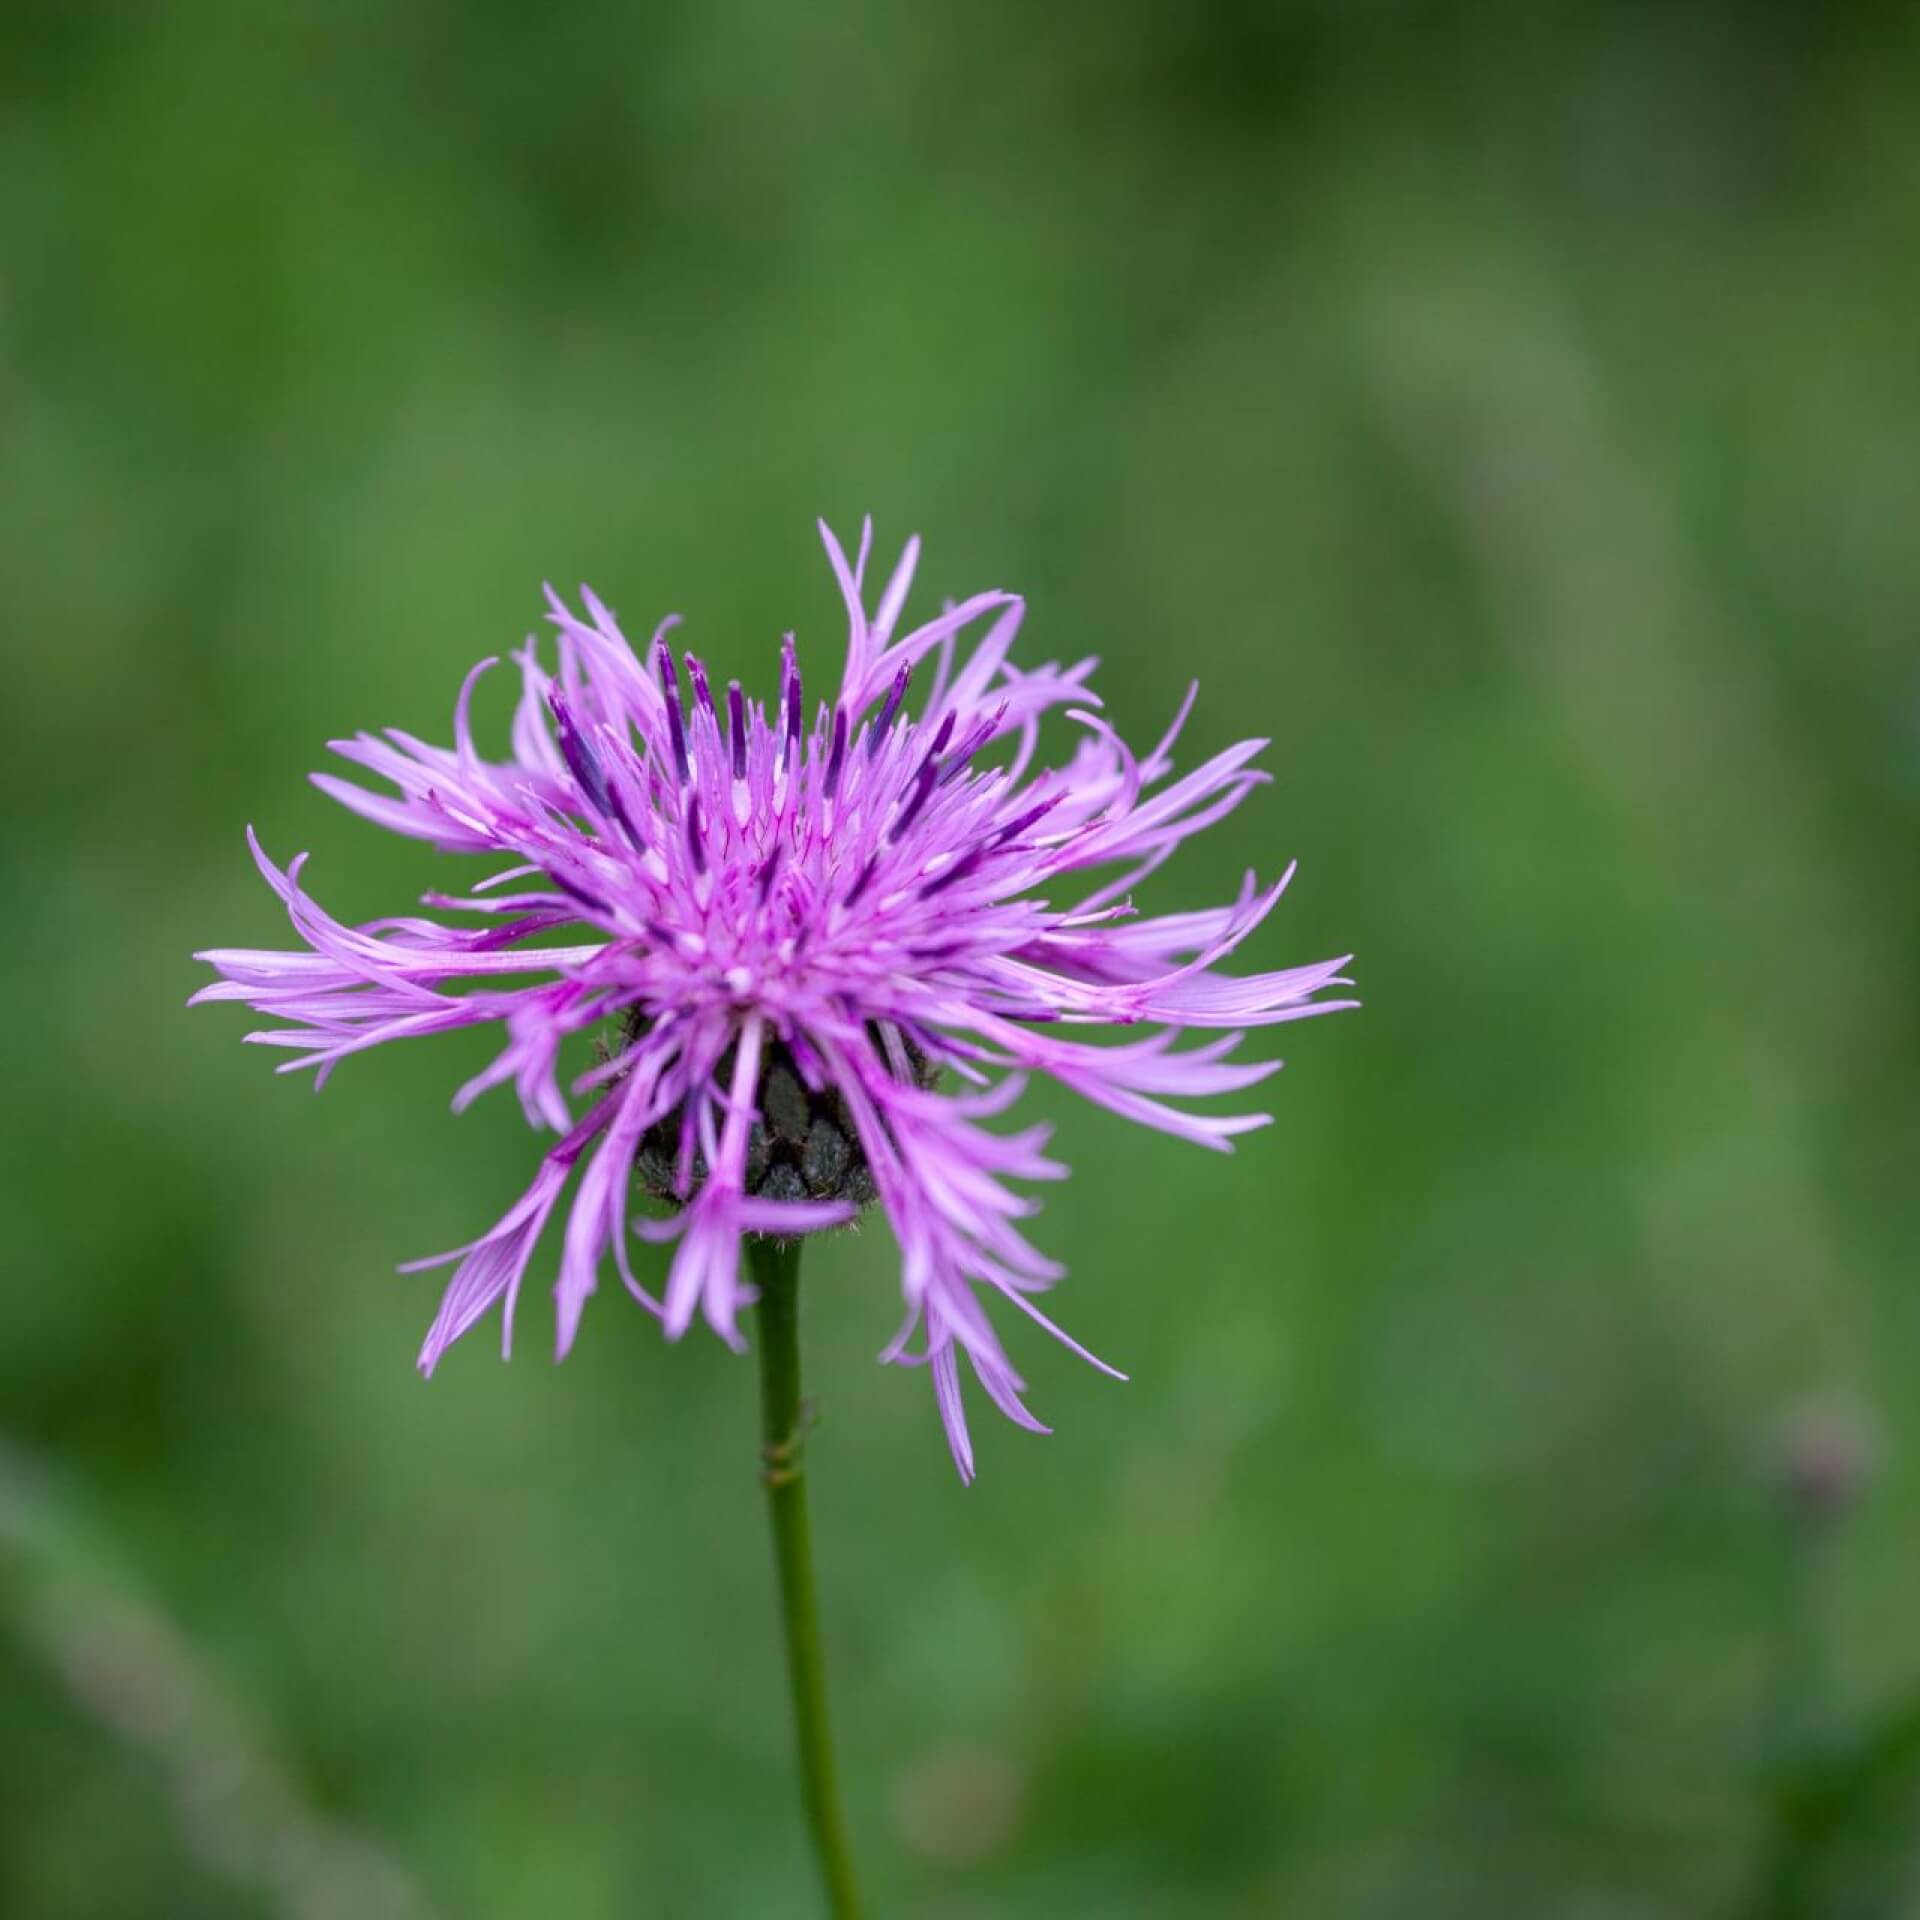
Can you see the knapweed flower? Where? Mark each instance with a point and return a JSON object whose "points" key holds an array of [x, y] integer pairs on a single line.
{"points": [[819, 949]]}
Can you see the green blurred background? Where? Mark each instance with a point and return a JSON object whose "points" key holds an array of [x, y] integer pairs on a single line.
{"points": [[1515, 411]]}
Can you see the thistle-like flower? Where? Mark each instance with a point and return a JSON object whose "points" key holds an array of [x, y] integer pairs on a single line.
{"points": [[823, 949]]}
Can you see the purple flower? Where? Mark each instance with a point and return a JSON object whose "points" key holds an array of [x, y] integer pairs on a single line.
{"points": [[820, 953]]}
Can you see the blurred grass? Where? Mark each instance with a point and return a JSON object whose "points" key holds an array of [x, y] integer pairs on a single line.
{"points": [[1511, 410]]}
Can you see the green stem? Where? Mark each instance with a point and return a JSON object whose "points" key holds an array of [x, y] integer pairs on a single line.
{"points": [[775, 1265]]}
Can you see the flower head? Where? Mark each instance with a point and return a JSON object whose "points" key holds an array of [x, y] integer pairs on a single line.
{"points": [[821, 947]]}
